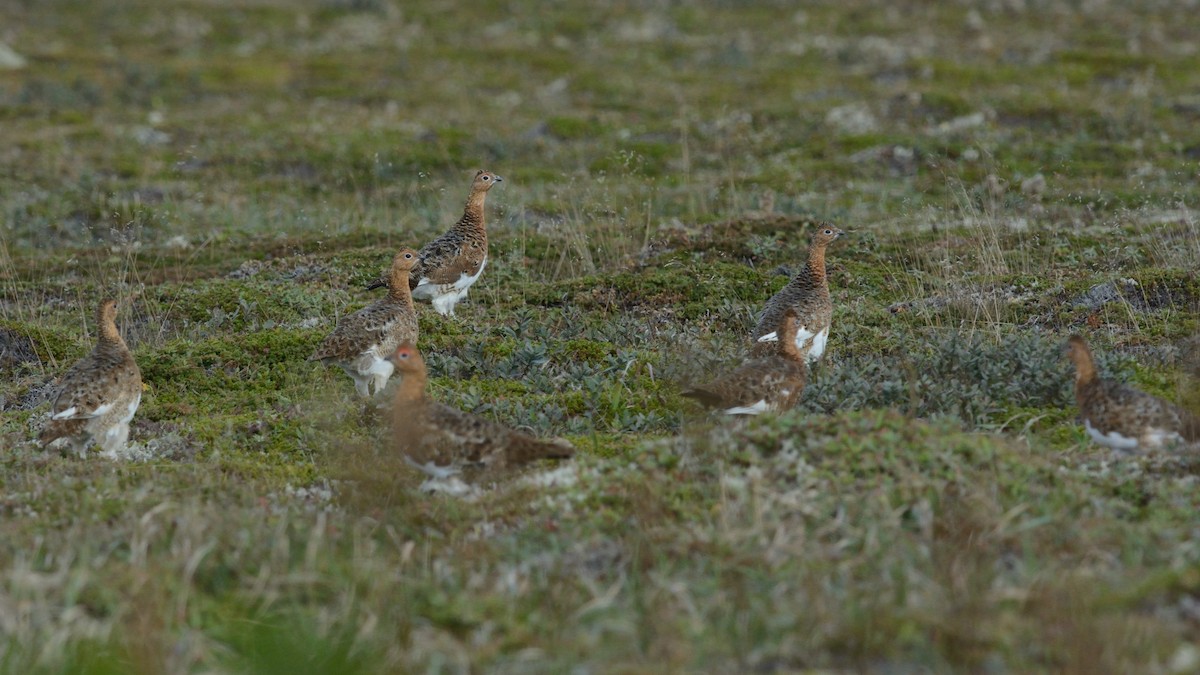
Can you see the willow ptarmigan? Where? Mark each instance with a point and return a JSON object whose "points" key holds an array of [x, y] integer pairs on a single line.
{"points": [[362, 342], [808, 294], [772, 382], [98, 395], [452, 262], [441, 441], [1121, 417]]}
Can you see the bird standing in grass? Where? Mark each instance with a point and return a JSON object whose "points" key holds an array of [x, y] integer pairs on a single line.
{"points": [[441, 441], [98, 395], [808, 294], [362, 341], [450, 264], [1121, 417], [767, 383]]}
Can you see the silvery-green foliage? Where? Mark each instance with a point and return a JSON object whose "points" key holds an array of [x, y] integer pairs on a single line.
{"points": [[965, 375]]}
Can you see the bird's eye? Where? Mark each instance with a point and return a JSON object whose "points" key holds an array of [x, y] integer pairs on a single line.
{"points": [[828, 231], [486, 178]]}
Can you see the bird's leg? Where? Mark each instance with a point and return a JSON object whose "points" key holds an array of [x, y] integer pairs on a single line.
{"points": [[380, 383], [115, 439], [361, 385]]}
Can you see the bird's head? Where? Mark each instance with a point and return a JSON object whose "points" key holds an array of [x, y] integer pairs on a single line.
{"points": [[405, 260], [484, 180], [407, 358], [826, 234]]}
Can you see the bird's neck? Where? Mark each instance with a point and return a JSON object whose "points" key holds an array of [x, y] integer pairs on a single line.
{"points": [[411, 391], [816, 262], [109, 336], [472, 216], [1085, 373], [398, 287]]}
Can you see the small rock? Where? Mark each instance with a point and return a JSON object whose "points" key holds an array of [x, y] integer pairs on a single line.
{"points": [[248, 268], [1034, 186], [961, 123], [974, 21], [995, 186], [898, 158], [9, 59], [1185, 660], [537, 132], [855, 118], [1101, 294], [149, 136]]}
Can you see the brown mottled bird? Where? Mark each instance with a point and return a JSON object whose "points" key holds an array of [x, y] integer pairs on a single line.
{"points": [[441, 441], [452, 262], [1121, 417], [362, 341], [99, 395], [772, 382], [808, 294]]}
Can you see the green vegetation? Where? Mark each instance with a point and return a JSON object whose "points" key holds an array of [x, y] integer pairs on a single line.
{"points": [[236, 173]]}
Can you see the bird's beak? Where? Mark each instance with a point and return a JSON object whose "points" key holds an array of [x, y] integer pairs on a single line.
{"points": [[499, 179]]}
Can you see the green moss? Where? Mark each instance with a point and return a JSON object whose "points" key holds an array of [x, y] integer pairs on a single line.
{"points": [[501, 348], [677, 286], [1105, 63], [1169, 288], [229, 373], [942, 104], [1156, 381], [240, 305], [852, 144], [571, 128], [640, 158], [583, 350], [48, 344], [237, 74]]}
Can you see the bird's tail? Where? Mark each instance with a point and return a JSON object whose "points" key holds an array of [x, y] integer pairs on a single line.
{"points": [[703, 396], [378, 283], [524, 449], [56, 429]]}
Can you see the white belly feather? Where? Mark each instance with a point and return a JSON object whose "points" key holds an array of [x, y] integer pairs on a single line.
{"points": [[803, 338], [752, 409], [445, 296], [1112, 439]]}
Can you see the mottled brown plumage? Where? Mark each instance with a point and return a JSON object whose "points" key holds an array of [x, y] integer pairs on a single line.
{"points": [[451, 263], [362, 341], [441, 441], [1121, 417], [808, 294], [774, 382], [99, 395]]}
